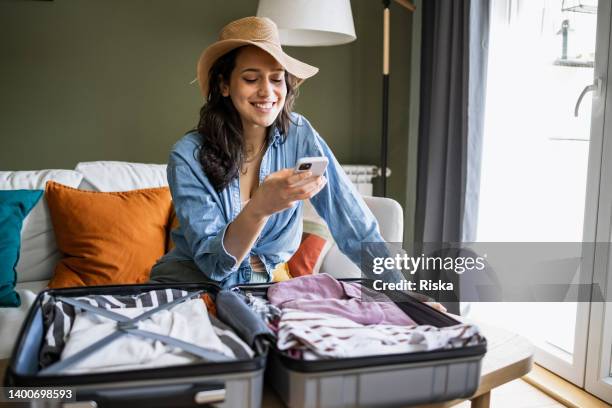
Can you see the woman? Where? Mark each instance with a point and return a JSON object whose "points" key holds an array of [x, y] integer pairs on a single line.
{"points": [[237, 198]]}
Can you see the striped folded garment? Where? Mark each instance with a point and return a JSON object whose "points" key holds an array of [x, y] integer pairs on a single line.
{"points": [[64, 334], [322, 336]]}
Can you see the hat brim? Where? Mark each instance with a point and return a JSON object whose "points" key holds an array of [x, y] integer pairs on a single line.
{"points": [[298, 69]]}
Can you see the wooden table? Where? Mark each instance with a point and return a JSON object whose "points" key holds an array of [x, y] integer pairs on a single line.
{"points": [[509, 356]]}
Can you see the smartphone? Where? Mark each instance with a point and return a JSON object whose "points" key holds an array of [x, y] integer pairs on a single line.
{"points": [[316, 165]]}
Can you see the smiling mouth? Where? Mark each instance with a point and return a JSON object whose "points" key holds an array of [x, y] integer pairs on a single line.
{"points": [[265, 106]]}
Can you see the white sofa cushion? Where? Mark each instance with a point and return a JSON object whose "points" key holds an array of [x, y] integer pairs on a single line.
{"points": [[390, 219], [12, 318], [121, 176], [39, 253]]}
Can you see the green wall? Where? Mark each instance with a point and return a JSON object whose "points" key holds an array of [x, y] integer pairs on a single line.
{"points": [[88, 80]]}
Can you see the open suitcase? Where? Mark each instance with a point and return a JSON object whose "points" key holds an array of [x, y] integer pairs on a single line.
{"points": [[378, 381], [235, 383], [383, 380]]}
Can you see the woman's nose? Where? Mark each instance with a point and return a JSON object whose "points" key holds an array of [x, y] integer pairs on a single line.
{"points": [[265, 89]]}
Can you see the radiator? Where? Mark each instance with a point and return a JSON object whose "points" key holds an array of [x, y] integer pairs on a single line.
{"points": [[361, 175]]}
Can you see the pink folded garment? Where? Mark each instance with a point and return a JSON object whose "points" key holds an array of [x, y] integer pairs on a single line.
{"points": [[324, 294]]}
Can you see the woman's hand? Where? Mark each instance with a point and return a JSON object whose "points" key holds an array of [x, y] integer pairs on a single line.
{"points": [[280, 190], [439, 307]]}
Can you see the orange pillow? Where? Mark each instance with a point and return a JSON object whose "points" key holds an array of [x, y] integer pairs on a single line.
{"points": [[307, 260], [107, 238], [172, 225]]}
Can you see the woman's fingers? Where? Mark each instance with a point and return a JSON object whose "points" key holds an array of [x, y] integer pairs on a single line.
{"points": [[437, 306], [298, 179], [309, 189], [282, 189], [304, 188]]}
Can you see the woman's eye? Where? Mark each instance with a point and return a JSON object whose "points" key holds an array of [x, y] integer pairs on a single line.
{"points": [[277, 80], [250, 80]]}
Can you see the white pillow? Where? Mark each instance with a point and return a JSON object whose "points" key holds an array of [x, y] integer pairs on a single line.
{"points": [[310, 214], [39, 253], [121, 176], [11, 318]]}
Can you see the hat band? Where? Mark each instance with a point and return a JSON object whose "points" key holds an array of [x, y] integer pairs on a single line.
{"points": [[266, 40]]}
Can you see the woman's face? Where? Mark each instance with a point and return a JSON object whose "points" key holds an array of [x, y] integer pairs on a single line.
{"points": [[257, 87]]}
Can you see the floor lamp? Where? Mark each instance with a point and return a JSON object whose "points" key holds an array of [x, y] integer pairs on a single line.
{"points": [[385, 102]]}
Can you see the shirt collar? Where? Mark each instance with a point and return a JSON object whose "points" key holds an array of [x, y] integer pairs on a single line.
{"points": [[275, 135]]}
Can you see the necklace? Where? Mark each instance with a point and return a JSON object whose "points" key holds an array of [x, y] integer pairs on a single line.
{"points": [[251, 158]]}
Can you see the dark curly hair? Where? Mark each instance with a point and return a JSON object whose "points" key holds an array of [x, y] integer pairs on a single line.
{"points": [[222, 153]]}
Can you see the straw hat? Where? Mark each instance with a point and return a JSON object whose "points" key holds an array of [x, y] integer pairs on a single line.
{"points": [[258, 31]]}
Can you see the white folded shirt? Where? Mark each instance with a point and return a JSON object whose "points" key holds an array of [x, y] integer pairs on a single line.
{"points": [[187, 321]]}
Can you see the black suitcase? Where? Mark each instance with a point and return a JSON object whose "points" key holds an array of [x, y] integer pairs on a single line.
{"points": [[222, 384], [385, 380]]}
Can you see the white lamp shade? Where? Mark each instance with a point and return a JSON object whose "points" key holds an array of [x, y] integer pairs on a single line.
{"points": [[310, 23]]}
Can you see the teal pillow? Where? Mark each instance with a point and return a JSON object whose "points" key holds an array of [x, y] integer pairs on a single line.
{"points": [[15, 205]]}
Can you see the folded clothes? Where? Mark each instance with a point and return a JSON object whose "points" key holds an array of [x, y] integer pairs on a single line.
{"points": [[324, 294], [59, 319], [58, 316], [240, 349], [233, 309], [323, 336], [264, 309], [187, 321]]}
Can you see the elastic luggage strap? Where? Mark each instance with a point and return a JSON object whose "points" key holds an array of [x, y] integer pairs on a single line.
{"points": [[126, 325]]}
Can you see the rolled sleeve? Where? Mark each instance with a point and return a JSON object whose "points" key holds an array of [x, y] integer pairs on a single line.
{"points": [[202, 220], [227, 260]]}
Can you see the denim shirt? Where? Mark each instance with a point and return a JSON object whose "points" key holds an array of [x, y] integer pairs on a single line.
{"points": [[204, 214]]}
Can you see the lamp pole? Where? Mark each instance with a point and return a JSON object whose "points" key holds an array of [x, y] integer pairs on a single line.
{"points": [[385, 102], [385, 96]]}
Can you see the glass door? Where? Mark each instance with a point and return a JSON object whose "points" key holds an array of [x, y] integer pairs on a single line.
{"points": [[542, 155], [598, 373]]}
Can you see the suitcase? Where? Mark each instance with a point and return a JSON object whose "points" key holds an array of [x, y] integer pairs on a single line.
{"points": [[220, 384], [378, 381]]}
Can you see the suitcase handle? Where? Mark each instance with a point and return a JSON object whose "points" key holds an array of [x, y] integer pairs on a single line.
{"points": [[209, 396], [151, 396]]}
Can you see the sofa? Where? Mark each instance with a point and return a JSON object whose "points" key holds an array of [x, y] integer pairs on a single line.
{"points": [[39, 254]]}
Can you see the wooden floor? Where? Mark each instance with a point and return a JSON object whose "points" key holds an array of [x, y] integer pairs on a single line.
{"points": [[562, 390], [518, 394]]}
